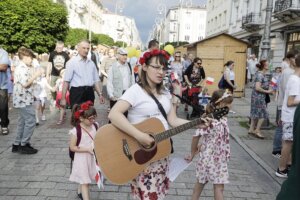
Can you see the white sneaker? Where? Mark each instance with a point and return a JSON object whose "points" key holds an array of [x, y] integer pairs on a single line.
{"points": [[43, 117]]}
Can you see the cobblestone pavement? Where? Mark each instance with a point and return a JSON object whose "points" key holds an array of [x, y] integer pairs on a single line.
{"points": [[45, 174]]}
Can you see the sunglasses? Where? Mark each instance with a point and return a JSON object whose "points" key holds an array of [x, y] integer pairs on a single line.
{"points": [[177, 56], [199, 63]]}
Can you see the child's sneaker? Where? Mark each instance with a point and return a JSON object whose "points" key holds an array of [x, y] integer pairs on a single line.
{"points": [[43, 117], [276, 154], [282, 174]]}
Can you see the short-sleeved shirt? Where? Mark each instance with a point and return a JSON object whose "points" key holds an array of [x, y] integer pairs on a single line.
{"points": [[58, 60], [4, 59], [292, 89], [22, 97], [81, 72], [144, 107]]}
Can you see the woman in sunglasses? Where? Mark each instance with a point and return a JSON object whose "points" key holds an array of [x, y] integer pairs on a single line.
{"points": [[194, 76]]}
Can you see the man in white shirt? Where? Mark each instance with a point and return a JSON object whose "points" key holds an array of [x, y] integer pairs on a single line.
{"points": [[119, 77], [251, 64], [290, 102]]}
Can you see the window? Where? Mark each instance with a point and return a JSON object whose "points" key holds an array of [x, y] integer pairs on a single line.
{"points": [[187, 38], [200, 38], [187, 26]]}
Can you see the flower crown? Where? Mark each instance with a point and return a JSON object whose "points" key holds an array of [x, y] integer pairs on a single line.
{"points": [[149, 54], [83, 107]]}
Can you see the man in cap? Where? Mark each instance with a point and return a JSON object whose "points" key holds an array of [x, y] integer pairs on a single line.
{"points": [[120, 77]]}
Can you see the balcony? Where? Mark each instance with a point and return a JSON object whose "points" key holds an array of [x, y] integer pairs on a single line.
{"points": [[252, 22], [287, 10]]}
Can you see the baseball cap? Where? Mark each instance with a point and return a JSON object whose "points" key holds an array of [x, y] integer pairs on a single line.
{"points": [[122, 51]]}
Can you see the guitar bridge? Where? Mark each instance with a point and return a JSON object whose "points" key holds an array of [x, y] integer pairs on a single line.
{"points": [[126, 150]]}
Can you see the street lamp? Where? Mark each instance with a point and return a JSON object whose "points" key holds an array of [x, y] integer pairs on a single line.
{"points": [[162, 10]]}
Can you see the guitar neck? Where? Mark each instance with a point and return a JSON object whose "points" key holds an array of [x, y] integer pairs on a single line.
{"points": [[174, 131]]}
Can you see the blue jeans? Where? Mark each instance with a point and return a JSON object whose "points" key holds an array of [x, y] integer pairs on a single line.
{"points": [[277, 141], [26, 125]]}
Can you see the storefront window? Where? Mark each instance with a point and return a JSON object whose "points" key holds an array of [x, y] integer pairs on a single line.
{"points": [[293, 41]]}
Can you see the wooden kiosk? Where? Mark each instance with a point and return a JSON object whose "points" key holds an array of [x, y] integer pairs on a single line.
{"points": [[215, 51]]}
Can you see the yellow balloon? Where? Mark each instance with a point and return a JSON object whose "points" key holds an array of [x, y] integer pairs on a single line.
{"points": [[138, 53], [131, 52], [170, 49]]}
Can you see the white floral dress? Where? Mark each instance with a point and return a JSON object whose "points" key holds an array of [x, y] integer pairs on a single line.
{"points": [[153, 183], [214, 154]]}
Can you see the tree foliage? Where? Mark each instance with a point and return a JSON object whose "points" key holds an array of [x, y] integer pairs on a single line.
{"points": [[36, 24], [120, 44], [75, 35], [174, 44]]}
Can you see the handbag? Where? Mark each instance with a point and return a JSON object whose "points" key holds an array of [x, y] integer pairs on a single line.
{"points": [[221, 83]]}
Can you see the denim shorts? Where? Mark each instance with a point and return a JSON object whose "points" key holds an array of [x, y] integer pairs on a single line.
{"points": [[287, 131]]}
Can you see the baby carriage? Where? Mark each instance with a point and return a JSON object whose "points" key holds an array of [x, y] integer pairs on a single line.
{"points": [[193, 100]]}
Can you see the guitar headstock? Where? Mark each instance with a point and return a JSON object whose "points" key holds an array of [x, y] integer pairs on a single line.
{"points": [[220, 112]]}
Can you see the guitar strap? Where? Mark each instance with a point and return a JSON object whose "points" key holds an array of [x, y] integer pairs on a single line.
{"points": [[163, 112]]}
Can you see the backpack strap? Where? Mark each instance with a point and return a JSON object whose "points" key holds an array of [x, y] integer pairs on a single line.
{"points": [[129, 65], [96, 125], [78, 133]]}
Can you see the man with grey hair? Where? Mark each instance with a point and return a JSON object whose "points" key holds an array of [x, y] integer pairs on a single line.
{"points": [[4, 63], [57, 61], [81, 77]]}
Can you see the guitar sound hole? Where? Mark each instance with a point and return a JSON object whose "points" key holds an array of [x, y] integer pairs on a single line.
{"points": [[141, 156]]}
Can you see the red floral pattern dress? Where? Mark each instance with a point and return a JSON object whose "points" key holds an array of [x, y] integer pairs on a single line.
{"points": [[153, 183], [214, 154]]}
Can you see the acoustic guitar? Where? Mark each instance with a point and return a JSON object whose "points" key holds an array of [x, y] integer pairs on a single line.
{"points": [[120, 156]]}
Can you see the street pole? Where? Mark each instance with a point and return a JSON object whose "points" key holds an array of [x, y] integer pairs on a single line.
{"points": [[267, 31], [90, 20]]}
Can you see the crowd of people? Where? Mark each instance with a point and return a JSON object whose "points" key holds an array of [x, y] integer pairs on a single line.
{"points": [[73, 77]]}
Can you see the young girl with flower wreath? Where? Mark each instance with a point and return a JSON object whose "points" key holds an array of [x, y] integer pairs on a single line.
{"points": [[214, 150], [138, 100], [84, 164]]}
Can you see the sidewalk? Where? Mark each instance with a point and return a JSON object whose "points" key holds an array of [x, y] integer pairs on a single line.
{"points": [[259, 150]]}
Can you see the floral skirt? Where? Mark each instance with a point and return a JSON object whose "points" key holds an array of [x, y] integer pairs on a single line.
{"points": [[152, 183]]}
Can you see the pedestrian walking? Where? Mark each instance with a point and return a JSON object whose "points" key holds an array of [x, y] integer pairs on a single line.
{"points": [[213, 150], [4, 65], [229, 76], [290, 102], [140, 102], [24, 77], [290, 187], [251, 65], [81, 77], [120, 77], [260, 91], [84, 163], [57, 61], [287, 70], [59, 87], [104, 68], [40, 89]]}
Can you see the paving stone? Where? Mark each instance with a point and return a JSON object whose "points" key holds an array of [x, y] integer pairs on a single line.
{"points": [[23, 192], [54, 193]]}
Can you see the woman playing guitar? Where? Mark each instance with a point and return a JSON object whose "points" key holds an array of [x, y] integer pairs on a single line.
{"points": [[140, 102]]}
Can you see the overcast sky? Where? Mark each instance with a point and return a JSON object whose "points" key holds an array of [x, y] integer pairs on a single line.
{"points": [[144, 11]]}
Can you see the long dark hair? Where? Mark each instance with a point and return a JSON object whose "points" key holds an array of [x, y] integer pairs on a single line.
{"points": [[230, 62], [215, 97], [143, 80], [261, 64]]}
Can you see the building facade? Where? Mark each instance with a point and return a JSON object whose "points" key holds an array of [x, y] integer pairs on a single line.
{"points": [[247, 22], [84, 14], [180, 24], [121, 28]]}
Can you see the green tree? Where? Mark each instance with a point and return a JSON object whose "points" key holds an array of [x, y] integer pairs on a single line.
{"points": [[174, 44], [75, 35], [36, 24], [120, 44], [103, 39]]}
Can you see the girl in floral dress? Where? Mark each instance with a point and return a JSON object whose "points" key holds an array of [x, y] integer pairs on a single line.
{"points": [[214, 150], [152, 183], [84, 163]]}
